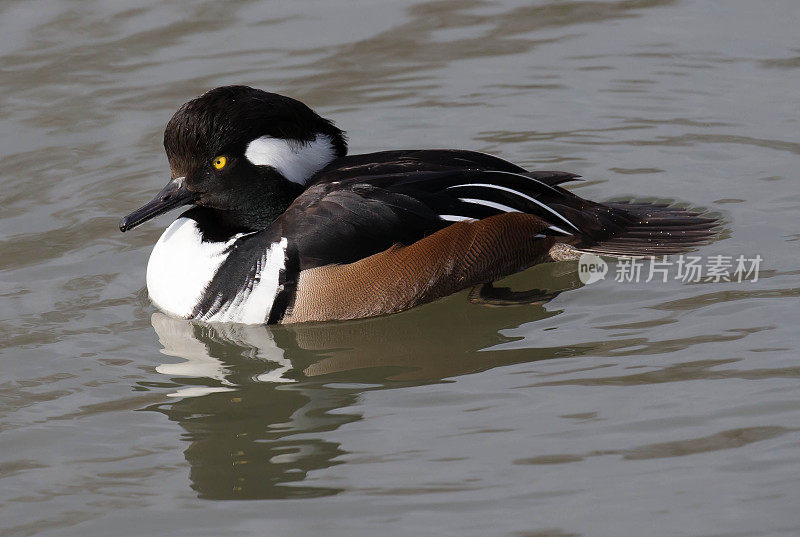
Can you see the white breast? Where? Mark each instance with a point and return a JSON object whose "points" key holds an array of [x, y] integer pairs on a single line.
{"points": [[181, 267]]}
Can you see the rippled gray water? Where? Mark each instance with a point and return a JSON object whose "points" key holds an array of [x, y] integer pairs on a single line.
{"points": [[617, 409]]}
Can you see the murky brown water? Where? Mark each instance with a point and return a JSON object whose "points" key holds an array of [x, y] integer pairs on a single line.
{"points": [[618, 409]]}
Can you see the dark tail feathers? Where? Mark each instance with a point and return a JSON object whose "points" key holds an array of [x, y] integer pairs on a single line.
{"points": [[643, 229]]}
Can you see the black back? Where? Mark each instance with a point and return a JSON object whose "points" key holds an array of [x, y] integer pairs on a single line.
{"points": [[360, 205]]}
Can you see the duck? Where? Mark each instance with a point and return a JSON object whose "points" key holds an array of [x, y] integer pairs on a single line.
{"points": [[282, 225]]}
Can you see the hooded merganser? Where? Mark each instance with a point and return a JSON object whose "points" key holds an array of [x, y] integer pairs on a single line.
{"points": [[286, 227]]}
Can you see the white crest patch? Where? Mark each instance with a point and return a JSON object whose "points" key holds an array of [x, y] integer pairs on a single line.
{"points": [[295, 160]]}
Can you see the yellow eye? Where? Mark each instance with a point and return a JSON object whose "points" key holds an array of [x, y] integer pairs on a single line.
{"points": [[219, 162]]}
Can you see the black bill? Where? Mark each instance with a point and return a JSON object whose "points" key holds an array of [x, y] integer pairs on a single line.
{"points": [[171, 196]]}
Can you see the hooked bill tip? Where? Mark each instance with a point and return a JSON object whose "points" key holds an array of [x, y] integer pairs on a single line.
{"points": [[124, 224]]}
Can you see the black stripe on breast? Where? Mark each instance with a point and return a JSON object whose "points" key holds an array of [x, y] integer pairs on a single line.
{"points": [[236, 274], [287, 285]]}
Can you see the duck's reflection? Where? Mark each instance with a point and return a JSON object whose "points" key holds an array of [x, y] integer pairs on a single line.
{"points": [[255, 400]]}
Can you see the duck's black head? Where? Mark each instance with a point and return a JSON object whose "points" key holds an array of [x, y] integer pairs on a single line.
{"points": [[244, 154]]}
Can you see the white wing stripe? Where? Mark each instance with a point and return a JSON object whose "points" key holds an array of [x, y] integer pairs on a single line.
{"points": [[529, 179], [551, 187], [559, 230], [493, 205], [454, 217], [511, 190]]}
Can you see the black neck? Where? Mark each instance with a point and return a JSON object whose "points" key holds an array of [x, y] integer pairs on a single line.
{"points": [[256, 210]]}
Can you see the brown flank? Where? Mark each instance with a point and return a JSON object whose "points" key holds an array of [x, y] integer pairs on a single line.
{"points": [[459, 256]]}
